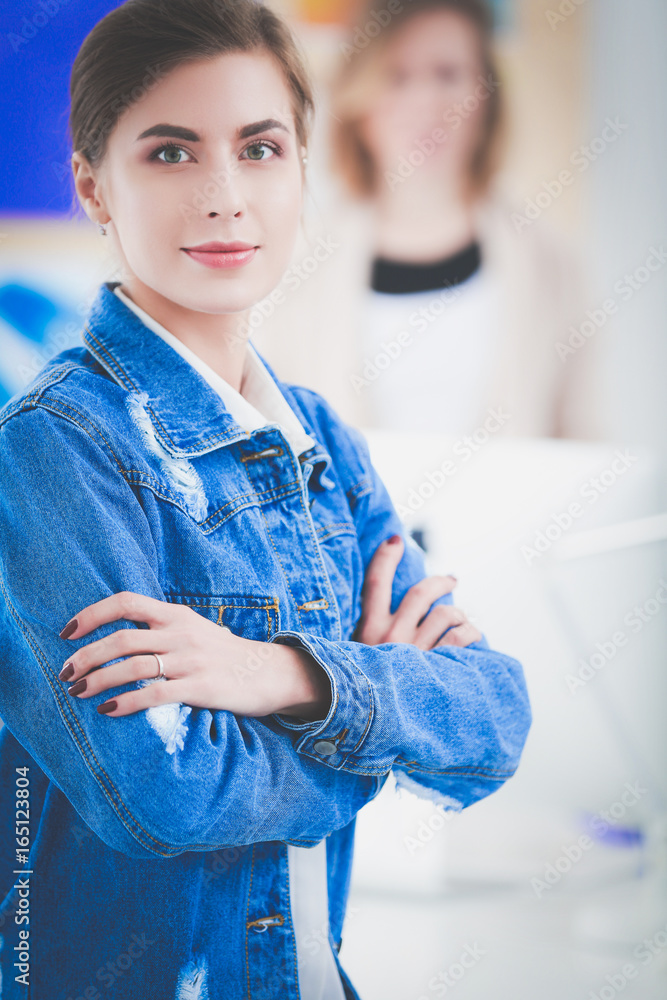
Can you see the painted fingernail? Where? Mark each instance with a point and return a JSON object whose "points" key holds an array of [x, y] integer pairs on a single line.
{"points": [[69, 628], [108, 706], [78, 687], [66, 672]]}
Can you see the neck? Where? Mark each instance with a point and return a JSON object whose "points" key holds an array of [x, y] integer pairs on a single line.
{"points": [[216, 339], [405, 216]]}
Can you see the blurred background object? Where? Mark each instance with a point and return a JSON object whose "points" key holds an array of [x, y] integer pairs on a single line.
{"points": [[552, 518], [450, 290]]}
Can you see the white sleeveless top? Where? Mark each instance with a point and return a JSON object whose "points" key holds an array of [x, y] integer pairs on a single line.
{"points": [[262, 402], [440, 368]]}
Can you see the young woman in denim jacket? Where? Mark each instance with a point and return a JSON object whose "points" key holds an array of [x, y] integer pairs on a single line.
{"points": [[179, 806]]}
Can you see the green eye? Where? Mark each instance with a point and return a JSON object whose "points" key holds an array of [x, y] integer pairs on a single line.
{"points": [[171, 152], [260, 147]]}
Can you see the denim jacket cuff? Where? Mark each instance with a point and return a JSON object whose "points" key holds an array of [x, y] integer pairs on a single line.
{"points": [[331, 740], [480, 644]]}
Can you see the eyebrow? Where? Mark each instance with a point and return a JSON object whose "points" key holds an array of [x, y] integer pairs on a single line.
{"points": [[187, 134]]}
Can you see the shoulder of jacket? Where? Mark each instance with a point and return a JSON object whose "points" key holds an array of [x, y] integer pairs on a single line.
{"points": [[69, 388]]}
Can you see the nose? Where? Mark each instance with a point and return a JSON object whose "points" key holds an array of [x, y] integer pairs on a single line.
{"points": [[222, 193]]}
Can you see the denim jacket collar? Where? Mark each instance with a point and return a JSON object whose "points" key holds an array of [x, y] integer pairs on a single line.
{"points": [[189, 417]]}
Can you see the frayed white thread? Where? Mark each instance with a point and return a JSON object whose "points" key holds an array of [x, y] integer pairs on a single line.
{"points": [[168, 721], [192, 983], [182, 473], [405, 783]]}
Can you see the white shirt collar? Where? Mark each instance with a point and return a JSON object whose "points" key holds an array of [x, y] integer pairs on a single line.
{"points": [[262, 401]]}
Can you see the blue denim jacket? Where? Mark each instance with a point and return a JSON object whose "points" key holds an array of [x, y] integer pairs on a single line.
{"points": [[158, 841]]}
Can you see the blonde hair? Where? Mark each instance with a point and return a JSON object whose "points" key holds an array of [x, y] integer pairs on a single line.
{"points": [[358, 76]]}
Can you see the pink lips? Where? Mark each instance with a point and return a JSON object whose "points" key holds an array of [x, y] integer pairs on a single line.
{"points": [[218, 255]]}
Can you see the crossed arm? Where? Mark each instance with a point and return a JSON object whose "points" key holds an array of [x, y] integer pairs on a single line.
{"points": [[208, 667], [453, 716]]}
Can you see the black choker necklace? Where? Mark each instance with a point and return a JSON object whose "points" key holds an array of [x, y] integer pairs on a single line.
{"points": [[399, 278]]}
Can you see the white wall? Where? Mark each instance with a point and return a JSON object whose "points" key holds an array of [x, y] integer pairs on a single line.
{"points": [[627, 202]]}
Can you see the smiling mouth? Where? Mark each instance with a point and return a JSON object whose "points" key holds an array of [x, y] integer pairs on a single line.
{"points": [[217, 257]]}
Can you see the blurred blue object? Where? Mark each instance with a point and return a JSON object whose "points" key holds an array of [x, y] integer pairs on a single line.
{"points": [[28, 311]]}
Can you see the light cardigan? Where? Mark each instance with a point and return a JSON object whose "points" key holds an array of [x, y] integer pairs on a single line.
{"points": [[313, 335], [260, 403]]}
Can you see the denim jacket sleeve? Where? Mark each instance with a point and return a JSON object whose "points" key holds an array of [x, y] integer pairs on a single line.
{"points": [[73, 533], [450, 722]]}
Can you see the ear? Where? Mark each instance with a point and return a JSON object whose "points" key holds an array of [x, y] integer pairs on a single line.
{"points": [[88, 189]]}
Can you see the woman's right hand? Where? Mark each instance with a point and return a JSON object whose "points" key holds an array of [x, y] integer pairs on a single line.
{"points": [[410, 622]]}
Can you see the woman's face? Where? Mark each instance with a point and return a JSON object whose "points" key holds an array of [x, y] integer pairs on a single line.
{"points": [[431, 79], [208, 184]]}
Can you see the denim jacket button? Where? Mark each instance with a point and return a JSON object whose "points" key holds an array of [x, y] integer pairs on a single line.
{"points": [[325, 747]]}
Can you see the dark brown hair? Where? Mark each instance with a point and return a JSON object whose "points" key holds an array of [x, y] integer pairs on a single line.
{"points": [[352, 160], [139, 42]]}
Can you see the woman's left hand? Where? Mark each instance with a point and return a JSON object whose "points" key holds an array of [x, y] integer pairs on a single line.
{"points": [[206, 665]]}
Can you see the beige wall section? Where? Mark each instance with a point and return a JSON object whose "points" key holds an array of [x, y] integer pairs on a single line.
{"points": [[547, 89]]}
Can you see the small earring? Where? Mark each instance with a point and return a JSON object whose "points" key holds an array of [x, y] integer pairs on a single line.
{"points": [[103, 231], [305, 159]]}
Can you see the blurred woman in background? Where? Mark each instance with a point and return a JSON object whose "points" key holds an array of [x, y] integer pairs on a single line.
{"points": [[432, 286]]}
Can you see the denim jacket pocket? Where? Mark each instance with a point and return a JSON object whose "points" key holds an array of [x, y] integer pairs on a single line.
{"points": [[251, 616]]}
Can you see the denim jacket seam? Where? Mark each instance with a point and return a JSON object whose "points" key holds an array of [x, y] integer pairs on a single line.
{"points": [[252, 496], [309, 521], [334, 529], [364, 482], [80, 739], [331, 592], [66, 705], [358, 491], [371, 704], [31, 399], [59, 407], [247, 915], [268, 607], [127, 383], [291, 922], [330, 722], [156, 486], [456, 770], [285, 576]]}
